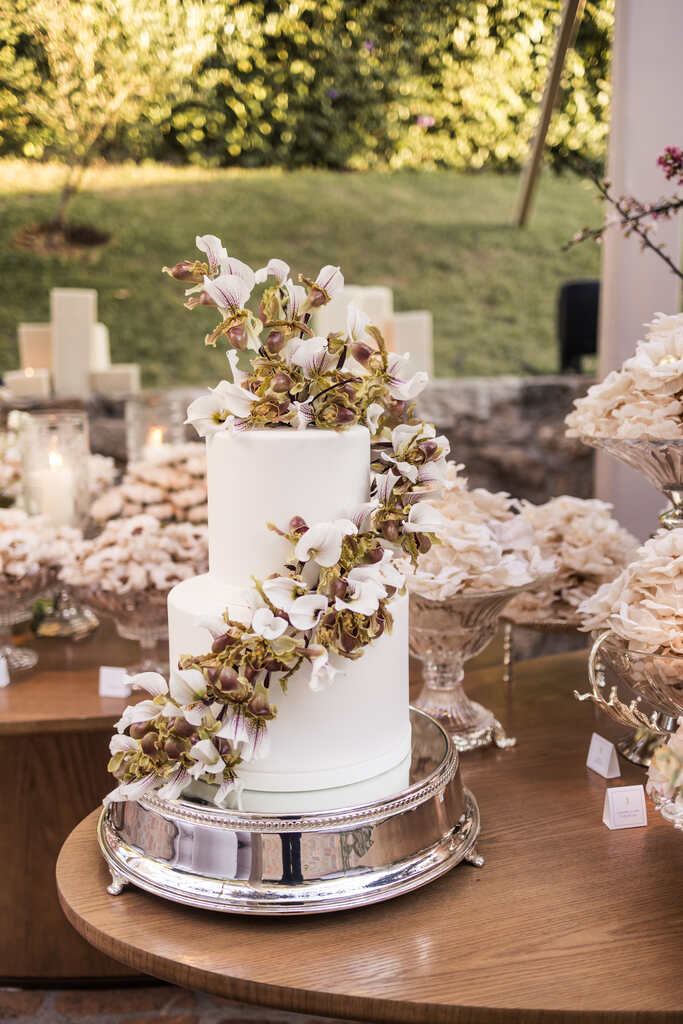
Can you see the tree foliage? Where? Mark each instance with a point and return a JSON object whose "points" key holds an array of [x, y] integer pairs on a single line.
{"points": [[337, 83]]}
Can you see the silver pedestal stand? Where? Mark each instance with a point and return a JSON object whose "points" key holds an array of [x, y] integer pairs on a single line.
{"points": [[300, 863]]}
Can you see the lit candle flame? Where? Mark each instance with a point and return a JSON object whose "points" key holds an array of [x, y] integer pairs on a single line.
{"points": [[29, 371], [155, 438], [55, 459]]}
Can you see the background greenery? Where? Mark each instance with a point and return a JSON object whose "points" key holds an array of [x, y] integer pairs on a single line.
{"points": [[442, 241], [351, 84]]}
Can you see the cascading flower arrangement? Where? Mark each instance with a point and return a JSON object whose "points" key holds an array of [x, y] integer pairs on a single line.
{"points": [[333, 595]]}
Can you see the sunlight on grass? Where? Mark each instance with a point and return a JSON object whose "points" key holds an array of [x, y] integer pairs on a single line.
{"points": [[443, 241]]}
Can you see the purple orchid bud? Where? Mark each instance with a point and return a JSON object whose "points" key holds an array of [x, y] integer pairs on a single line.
{"points": [[175, 748], [238, 336], [423, 543], [186, 270], [182, 728], [297, 525], [390, 530], [220, 643], [149, 743], [281, 382], [228, 680], [374, 555], [361, 352], [275, 342], [338, 588], [138, 730], [430, 448]]}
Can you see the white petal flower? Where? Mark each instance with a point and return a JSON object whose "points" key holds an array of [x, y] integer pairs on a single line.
{"points": [[306, 611], [131, 790], [273, 268], [151, 682], [215, 624], [145, 711], [402, 387], [323, 542], [187, 686], [214, 249], [228, 291], [331, 279], [207, 760], [404, 434], [385, 483], [209, 414], [313, 356], [372, 416], [118, 744], [357, 323], [363, 515], [175, 784], [363, 596], [282, 591], [238, 376], [237, 268], [424, 518], [231, 789], [268, 625], [296, 296], [406, 469], [322, 672], [302, 414]]}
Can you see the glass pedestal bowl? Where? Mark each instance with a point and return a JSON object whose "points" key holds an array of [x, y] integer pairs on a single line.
{"points": [[16, 605], [660, 462], [139, 615], [444, 635]]}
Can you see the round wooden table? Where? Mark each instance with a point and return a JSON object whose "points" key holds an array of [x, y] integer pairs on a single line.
{"points": [[567, 921]]}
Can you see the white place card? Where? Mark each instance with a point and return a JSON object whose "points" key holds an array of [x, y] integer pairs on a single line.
{"points": [[114, 682], [624, 807], [602, 757], [4, 672]]}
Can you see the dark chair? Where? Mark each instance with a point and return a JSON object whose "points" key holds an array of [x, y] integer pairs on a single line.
{"points": [[577, 323]]}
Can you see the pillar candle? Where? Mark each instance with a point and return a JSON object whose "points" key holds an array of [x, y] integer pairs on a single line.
{"points": [[74, 314], [99, 352], [413, 332], [35, 346], [28, 383], [54, 492], [116, 381]]}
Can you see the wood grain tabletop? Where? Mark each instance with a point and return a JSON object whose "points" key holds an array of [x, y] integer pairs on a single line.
{"points": [[566, 922]]}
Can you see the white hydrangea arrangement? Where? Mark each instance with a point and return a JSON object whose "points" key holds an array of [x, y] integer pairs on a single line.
{"points": [[485, 545], [334, 594], [588, 546], [644, 399], [643, 604], [137, 554]]}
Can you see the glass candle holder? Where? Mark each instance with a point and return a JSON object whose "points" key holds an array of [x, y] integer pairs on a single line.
{"points": [[154, 421], [55, 448]]}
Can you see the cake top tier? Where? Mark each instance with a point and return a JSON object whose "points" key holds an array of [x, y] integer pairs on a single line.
{"points": [[261, 476]]}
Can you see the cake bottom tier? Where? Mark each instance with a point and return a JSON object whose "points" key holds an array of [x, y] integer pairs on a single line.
{"points": [[356, 729]]}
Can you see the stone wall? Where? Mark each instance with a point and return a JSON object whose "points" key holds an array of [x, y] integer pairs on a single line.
{"points": [[508, 431]]}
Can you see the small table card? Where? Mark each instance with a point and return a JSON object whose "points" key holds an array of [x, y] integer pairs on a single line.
{"points": [[624, 807], [114, 682], [4, 672], [602, 757]]}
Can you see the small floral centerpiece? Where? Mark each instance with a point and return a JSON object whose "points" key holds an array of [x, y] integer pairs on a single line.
{"points": [[332, 598], [589, 548], [665, 776]]}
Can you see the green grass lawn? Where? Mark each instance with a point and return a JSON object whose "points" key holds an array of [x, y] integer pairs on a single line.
{"points": [[441, 240]]}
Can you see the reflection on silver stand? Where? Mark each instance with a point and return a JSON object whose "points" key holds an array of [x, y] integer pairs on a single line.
{"points": [[300, 863]]}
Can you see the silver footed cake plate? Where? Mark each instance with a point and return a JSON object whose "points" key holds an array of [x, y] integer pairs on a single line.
{"points": [[280, 859]]}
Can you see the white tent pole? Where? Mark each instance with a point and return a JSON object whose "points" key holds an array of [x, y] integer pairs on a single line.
{"points": [[646, 116]]}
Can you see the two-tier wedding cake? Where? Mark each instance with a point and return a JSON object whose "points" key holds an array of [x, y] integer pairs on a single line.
{"points": [[289, 658]]}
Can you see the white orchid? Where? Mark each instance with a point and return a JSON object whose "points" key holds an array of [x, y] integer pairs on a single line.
{"points": [[357, 323], [151, 682], [207, 760], [424, 518], [177, 781], [214, 623], [118, 744], [214, 412], [228, 291], [238, 376], [385, 483], [131, 790], [406, 469], [372, 416], [144, 711], [363, 515], [282, 591], [402, 387], [330, 279], [305, 613], [268, 625], [313, 356], [296, 296], [405, 434], [187, 686], [273, 268], [323, 542], [322, 672], [363, 594], [384, 572], [302, 414], [214, 250]]}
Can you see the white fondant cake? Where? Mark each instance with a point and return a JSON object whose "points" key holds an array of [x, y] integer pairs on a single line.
{"points": [[358, 727]]}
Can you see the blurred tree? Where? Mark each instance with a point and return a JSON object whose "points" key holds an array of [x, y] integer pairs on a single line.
{"points": [[86, 68]]}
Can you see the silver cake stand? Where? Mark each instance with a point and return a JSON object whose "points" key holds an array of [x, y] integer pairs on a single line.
{"points": [[300, 863]]}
